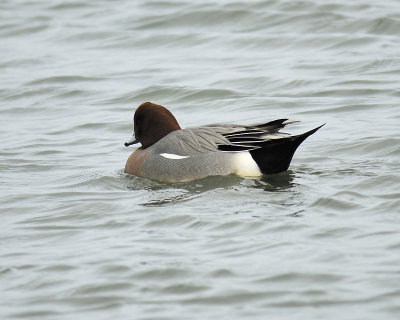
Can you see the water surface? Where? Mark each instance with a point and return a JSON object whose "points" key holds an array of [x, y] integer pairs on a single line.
{"points": [[79, 238]]}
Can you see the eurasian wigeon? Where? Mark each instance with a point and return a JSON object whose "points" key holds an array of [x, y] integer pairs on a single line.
{"points": [[169, 153]]}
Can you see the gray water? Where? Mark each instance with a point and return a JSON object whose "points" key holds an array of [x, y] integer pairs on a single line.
{"points": [[79, 239]]}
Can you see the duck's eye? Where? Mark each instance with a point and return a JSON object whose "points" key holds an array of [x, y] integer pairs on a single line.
{"points": [[138, 121]]}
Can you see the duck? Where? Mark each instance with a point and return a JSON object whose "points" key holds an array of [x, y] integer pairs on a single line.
{"points": [[169, 153]]}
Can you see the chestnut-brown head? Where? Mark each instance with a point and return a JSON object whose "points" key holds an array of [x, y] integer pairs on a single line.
{"points": [[152, 122]]}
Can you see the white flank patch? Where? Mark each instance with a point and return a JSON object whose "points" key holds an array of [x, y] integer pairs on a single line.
{"points": [[173, 156], [245, 165]]}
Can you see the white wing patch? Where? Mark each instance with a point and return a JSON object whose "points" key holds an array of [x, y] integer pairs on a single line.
{"points": [[173, 156]]}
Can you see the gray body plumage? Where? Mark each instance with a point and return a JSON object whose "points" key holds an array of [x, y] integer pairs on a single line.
{"points": [[195, 153], [199, 145]]}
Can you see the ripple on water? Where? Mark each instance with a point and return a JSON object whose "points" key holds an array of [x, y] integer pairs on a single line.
{"points": [[79, 237]]}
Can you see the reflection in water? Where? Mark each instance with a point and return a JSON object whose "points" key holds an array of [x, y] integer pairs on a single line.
{"points": [[163, 193], [277, 182]]}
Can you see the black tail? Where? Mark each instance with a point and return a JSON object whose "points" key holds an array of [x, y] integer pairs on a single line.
{"points": [[275, 155]]}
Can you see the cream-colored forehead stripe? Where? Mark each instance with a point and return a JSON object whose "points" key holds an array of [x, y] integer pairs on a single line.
{"points": [[173, 156]]}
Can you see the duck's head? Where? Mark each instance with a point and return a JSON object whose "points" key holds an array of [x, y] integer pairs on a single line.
{"points": [[152, 122]]}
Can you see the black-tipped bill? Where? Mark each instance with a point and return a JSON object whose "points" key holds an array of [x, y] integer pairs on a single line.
{"points": [[131, 141]]}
